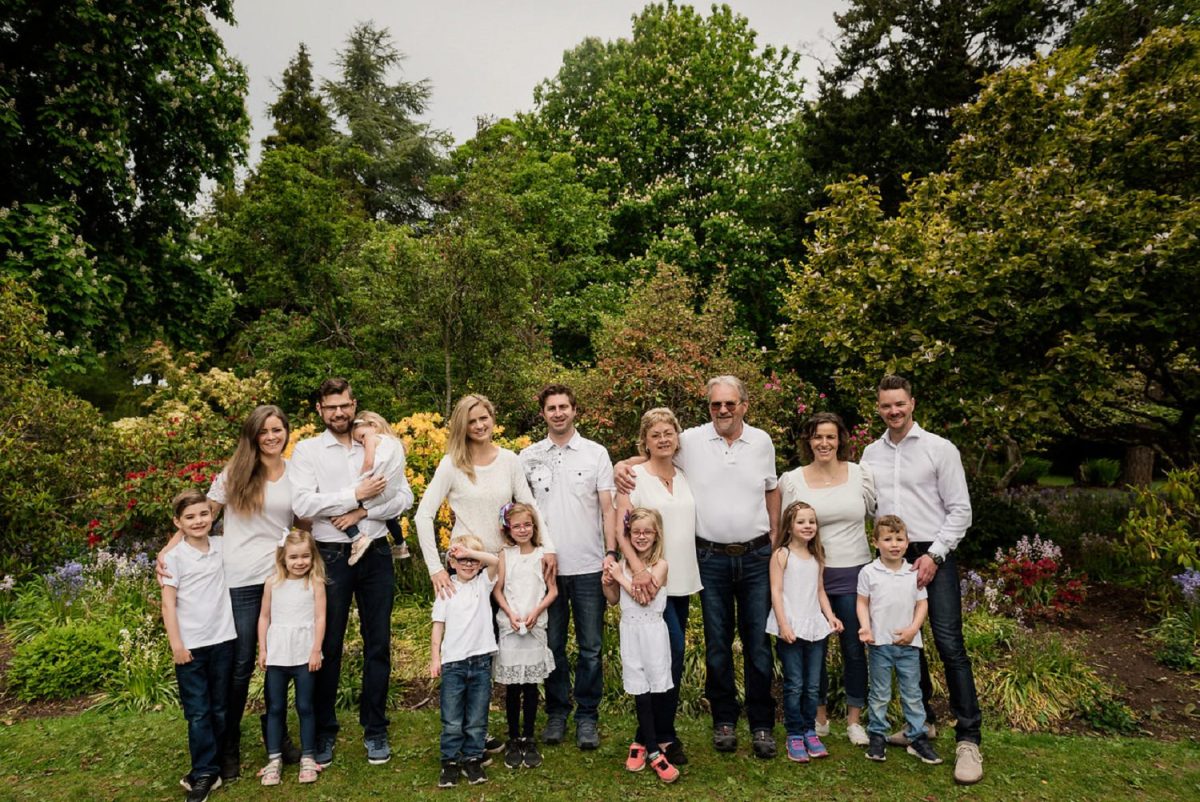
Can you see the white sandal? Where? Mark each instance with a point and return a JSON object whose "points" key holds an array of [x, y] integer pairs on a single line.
{"points": [[270, 773]]}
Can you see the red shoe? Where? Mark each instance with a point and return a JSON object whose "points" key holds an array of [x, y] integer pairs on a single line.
{"points": [[637, 757], [665, 771]]}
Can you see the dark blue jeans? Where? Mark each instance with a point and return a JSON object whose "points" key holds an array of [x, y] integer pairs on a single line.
{"points": [[737, 593], [275, 689], [369, 583], [203, 690], [666, 704], [945, 621], [580, 596], [466, 690], [247, 602], [906, 662], [802, 662], [854, 653]]}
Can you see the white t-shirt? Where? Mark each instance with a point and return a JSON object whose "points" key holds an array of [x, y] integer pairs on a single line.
{"points": [[678, 511], [729, 482], [565, 481], [202, 603], [841, 511], [251, 538], [894, 596], [468, 618]]}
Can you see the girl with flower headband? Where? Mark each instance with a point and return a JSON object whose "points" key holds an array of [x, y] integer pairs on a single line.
{"points": [[524, 658], [291, 627]]}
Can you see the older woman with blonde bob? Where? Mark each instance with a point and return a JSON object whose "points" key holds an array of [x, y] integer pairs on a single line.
{"points": [[662, 487]]}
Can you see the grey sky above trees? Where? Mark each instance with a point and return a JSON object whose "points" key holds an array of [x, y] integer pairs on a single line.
{"points": [[482, 57]]}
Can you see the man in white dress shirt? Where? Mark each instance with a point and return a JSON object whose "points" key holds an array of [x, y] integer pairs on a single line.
{"points": [[919, 477], [572, 481], [328, 489]]}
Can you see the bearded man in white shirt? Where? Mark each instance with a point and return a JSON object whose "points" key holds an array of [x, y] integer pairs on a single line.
{"points": [[919, 477]]}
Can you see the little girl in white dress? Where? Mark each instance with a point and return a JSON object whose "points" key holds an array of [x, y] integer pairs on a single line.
{"points": [[524, 659]]}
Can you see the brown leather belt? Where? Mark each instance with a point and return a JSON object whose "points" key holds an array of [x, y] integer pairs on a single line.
{"points": [[732, 549]]}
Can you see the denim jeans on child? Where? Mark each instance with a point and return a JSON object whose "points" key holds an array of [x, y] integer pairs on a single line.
{"points": [[906, 660], [801, 662], [466, 690], [275, 690], [203, 690]]}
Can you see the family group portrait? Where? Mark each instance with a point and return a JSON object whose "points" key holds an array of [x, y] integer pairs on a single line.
{"points": [[595, 401]]}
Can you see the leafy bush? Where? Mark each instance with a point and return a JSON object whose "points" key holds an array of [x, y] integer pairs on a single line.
{"points": [[1031, 470], [1162, 533], [1064, 514], [998, 520], [1100, 472], [1177, 636], [1033, 575], [145, 679], [988, 636], [64, 660]]}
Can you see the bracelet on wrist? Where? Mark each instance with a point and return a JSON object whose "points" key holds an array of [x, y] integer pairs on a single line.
{"points": [[616, 555]]}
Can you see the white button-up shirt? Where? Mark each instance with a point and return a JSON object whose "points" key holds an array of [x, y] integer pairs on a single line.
{"points": [[921, 480], [566, 481], [324, 474], [729, 481]]}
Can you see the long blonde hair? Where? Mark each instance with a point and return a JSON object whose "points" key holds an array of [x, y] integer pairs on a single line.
{"points": [[378, 421], [297, 537], [245, 474], [646, 514], [456, 442]]}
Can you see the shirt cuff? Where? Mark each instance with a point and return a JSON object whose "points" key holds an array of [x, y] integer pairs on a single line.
{"points": [[939, 549]]}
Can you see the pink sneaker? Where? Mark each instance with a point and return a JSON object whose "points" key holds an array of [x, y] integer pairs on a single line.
{"points": [[637, 757], [665, 771]]}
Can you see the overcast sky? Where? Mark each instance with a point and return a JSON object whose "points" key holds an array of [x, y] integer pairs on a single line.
{"points": [[482, 57]]}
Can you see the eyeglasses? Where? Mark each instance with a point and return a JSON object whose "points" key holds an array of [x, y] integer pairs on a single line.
{"points": [[466, 561], [520, 527], [338, 407], [717, 406]]}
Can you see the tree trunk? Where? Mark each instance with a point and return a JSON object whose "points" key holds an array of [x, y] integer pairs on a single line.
{"points": [[1137, 468]]}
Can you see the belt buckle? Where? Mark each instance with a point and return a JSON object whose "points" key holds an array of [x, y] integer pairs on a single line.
{"points": [[736, 549]]}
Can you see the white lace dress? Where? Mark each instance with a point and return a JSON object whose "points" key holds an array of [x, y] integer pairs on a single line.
{"points": [[290, 636], [523, 657], [800, 601], [645, 645]]}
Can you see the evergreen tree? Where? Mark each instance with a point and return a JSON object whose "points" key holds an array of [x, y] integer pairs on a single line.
{"points": [[299, 113]]}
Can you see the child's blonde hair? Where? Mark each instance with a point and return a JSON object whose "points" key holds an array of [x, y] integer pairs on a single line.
{"points": [[374, 419], [298, 537], [646, 514], [470, 541], [785, 531], [506, 514]]}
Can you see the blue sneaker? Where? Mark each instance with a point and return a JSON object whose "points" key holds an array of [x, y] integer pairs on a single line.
{"points": [[814, 746], [324, 752], [795, 749], [379, 751]]}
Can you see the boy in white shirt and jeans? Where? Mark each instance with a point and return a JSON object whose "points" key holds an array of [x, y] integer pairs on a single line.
{"points": [[462, 648], [892, 609], [198, 617]]}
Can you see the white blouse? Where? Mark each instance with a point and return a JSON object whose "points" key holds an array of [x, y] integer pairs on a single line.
{"points": [[678, 511], [842, 512]]}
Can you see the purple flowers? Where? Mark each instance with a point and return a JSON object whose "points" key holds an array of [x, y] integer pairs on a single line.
{"points": [[67, 580], [1189, 584]]}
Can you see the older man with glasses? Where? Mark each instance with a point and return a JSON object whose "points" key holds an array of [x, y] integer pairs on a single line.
{"points": [[731, 468]]}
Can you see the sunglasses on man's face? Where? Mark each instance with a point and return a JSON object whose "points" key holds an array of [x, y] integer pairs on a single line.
{"points": [[717, 406]]}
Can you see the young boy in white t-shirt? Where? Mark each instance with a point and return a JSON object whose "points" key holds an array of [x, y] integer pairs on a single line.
{"points": [[892, 609], [198, 617], [463, 644]]}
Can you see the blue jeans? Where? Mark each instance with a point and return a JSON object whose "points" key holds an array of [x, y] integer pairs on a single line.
{"points": [[906, 660], [203, 690], [579, 595], [275, 689], [466, 690], [945, 621], [802, 664], [247, 602], [854, 653], [737, 592], [369, 582]]}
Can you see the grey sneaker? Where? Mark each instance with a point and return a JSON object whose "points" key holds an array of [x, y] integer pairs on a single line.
{"points": [[968, 763], [764, 744], [555, 732], [898, 738], [379, 751], [324, 753], [921, 748], [587, 736], [724, 738]]}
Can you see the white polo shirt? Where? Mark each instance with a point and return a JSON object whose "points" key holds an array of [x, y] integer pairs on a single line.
{"points": [[728, 481], [468, 618], [894, 596], [921, 480], [202, 603], [565, 481]]}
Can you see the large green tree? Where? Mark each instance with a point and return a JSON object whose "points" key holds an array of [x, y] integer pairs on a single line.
{"points": [[1046, 282], [299, 113], [112, 114]]}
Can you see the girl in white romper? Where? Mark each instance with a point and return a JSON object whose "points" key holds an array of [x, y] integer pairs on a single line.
{"points": [[645, 643], [524, 659], [291, 627], [801, 619]]}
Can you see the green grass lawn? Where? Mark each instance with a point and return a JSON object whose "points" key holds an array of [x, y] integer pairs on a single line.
{"points": [[127, 756]]}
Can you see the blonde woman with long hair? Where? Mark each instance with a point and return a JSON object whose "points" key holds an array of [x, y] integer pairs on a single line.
{"points": [[477, 477]]}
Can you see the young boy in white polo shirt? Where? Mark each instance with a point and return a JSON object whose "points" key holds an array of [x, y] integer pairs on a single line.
{"points": [[892, 609], [462, 646], [198, 617]]}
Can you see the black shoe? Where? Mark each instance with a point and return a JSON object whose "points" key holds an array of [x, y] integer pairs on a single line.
{"points": [[231, 766], [921, 747], [764, 744], [493, 745], [290, 752], [877, 748], [724, 738], [555, 732], [532, 757], [473, 771], [675, 754], [203, 786], [449, 775], [514, 753]]}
